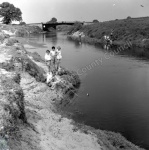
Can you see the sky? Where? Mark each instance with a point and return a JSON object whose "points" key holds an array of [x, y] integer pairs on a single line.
{"points": [[36, 11]]}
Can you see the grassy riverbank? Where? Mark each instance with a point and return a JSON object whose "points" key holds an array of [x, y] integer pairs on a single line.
{"points": [[29, 116], [133, 30]]}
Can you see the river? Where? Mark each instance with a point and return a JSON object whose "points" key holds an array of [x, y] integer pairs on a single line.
{"points": [[114, 94]]}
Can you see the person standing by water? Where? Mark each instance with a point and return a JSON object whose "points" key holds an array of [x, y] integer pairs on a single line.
{"points": [[48, 59], [108, 42], [58, 58], [80, 36], [53, 54]]}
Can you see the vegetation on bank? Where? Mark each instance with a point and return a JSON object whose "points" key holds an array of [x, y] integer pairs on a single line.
{"points": [[20, 30], [123, 30], [109, 140], [12, 110], [134, 30]]}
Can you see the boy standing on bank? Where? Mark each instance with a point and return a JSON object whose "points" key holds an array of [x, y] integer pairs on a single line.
{"points": [[53, 54], [48, 59], [58, 58]]}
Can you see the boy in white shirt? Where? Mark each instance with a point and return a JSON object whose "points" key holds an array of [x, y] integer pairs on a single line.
{"points": [[48, 59], [53, 54]]}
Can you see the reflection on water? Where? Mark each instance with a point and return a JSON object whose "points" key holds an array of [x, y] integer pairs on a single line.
{"points": [[50, 38], [118, 89], [76, 43]]}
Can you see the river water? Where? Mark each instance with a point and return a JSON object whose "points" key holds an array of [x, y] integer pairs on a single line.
{"points": [[114, 94]]}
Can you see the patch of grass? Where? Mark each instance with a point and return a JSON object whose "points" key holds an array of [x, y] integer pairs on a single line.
{"points": [[15, 99], [34, 70], [10, 41], [28, 66], [36, 56], [70, 76]]}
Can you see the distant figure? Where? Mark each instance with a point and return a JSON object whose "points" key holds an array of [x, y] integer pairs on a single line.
{"points": [[111, 36], [80, 36], [58, 57], [108, 42], [48, 59], [53, 54]]}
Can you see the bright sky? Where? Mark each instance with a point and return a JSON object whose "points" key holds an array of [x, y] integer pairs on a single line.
{"points": [[35, 11]]}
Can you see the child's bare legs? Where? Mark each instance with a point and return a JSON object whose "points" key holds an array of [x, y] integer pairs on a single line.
{"points": [[48, 63], [58, 64], [49, 66], [54, 64]]}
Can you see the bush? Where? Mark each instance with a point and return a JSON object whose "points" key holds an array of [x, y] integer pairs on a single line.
{"points": [[77, 26], [21, 32], [22, 23], [128, 17], [10, 41], [95, 21], [53, 20]]}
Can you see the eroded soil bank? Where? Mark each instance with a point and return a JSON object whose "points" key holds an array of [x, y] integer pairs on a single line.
{"points": [[28, 107]]}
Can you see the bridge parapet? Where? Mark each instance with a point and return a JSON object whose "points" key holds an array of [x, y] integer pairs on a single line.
{"points": [[48, 25]]}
